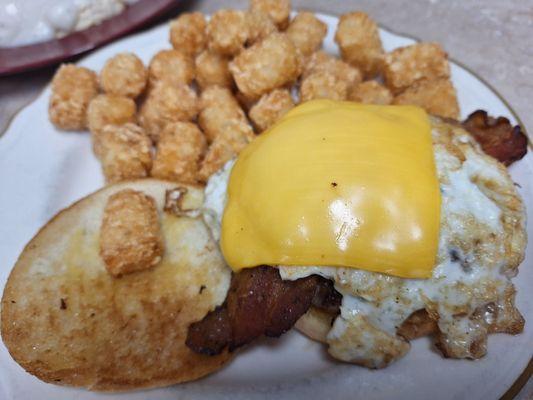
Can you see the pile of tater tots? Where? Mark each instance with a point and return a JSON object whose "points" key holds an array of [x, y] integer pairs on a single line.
{"points": [[229, 78]]}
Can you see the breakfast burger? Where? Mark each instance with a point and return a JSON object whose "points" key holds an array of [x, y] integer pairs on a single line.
{"points": [[366, 226]]}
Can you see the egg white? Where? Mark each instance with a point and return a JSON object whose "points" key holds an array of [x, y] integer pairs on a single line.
{"points": [[482, 241]]}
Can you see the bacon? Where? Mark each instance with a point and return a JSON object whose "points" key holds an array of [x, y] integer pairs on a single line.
{"points": [[212, 334], [326, 297], [497, 137], [259, 303]]}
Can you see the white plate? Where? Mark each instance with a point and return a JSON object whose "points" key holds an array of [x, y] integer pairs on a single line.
{"points": [[43, 170]]}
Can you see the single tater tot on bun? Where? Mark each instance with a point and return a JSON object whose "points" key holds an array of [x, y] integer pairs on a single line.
{"points": [[188, 33], [278, 10], [73, 88], [234, 137], [323, 85], [370, 92], [124, 75], [106, 109], [212, 69], [130, 237], [165, 104], [227, 32], [260, 25], [172, 67], [320, 61], [124, 151], [307, 32], [271, 107], [359, 42], [179, 151], [267, 65], [219, 109], [437, 97]]}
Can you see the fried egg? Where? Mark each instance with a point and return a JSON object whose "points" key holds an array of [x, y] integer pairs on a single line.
{"points": [[470, 294]]}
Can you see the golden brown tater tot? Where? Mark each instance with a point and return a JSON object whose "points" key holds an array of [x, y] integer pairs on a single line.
{"points": [[106, 109], [124, 75], [165, 104], [124, 151], [359, 42], [73, 88], [188, 33], [271, 107], [269, 64], [212, 69], [172, 67], [179, 150]]}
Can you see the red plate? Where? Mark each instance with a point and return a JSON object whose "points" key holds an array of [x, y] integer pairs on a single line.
{"points": [[24, 58]]}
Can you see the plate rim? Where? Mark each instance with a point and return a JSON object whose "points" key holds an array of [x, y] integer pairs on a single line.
{"points": [[514, 389]]}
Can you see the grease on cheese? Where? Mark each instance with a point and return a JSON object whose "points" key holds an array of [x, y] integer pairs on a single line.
{"points": [[339, 184]]}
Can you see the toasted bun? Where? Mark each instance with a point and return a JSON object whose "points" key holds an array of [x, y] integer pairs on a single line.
{"points": [[66, 320], [315, 324]]}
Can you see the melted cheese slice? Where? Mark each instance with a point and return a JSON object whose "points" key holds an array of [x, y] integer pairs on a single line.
{"points": [[337, 184]]}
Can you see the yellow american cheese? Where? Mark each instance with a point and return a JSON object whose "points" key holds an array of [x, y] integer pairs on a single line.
{"points": [[337, 184]]}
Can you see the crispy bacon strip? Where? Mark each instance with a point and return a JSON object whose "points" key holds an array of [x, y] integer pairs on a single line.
{"points": [[497, 136], [212, 334], [326, 297], [259, 303]]}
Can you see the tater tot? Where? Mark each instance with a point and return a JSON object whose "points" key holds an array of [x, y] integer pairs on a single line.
{"points": [[269, 64], [323, 85], [278, 10], [188, 33], [245, 102], [212, 69], [179, 150], [106, 109], [316, 61], [271, 107], [227, 32], [165, 104], [406, 65], [73, 88], [307, 32], [228, 144], [124, 75], [437, 97], [260, 25], [219, 108], [124, 151], [323, 62], [370, 92], [172, 67], [130, 236], [358, 39]]}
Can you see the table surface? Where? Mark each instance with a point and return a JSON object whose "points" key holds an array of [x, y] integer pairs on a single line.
{"points": [[491, 37]]}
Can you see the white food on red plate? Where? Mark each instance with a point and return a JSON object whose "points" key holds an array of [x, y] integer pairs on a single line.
{"points": [[24, 22]]}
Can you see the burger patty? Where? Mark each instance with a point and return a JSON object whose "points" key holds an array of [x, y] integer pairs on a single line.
{"points": [[259, 303]]}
